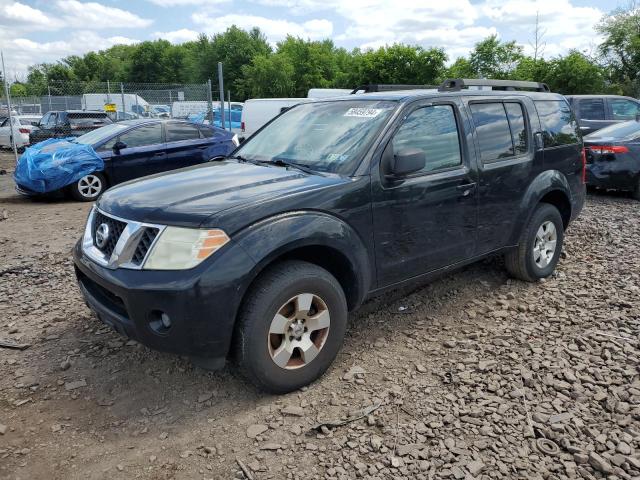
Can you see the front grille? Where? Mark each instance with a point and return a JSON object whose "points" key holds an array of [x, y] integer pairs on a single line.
{"points": [[116, 227], [144, 244]]}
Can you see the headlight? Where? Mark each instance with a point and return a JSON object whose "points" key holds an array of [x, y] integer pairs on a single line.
{"points": [[235, 140], [182, 248]]}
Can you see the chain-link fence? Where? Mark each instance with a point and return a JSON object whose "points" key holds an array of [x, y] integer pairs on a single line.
{"points": [[122, 100]]}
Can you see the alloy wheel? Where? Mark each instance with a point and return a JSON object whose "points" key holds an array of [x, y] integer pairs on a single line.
{"points": [[89, 186], [298, 331], [544, 247]]}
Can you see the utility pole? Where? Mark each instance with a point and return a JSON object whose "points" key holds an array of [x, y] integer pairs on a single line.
{"points": [[6, 91], [220, 83]]}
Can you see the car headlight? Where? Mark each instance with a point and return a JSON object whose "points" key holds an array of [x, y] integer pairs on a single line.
{"points": [[182, 248], [235, 140]]}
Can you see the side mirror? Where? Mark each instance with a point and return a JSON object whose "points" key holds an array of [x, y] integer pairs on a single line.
{"points": [[119, 146], [408, 160]]}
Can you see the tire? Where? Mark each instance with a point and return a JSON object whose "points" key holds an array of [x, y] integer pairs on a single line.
{"points": [[525, 263], [89, 187], [279, 302]]}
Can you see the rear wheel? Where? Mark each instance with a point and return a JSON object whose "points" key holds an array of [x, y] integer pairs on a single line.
{"points": [[89, 187], [539, 246], [291, 326]]}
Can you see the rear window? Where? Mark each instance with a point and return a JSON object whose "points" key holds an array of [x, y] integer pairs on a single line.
{"points": [[207, 132], [558, 125], [623, 109], [88, 119], [624, 130], [592, 109]]}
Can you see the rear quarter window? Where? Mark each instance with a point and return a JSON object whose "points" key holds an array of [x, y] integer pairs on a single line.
{"points": [[559, 127]]}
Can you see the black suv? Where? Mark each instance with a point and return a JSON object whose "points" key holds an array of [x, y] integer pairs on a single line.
{"points": [[263, 254], [70, 123]]}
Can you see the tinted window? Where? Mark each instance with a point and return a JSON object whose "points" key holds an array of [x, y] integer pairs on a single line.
{"points": [[206, 132], [434, 131], [51, 121], [592, 109], [515, 114], [623, 109], [559, 126], [181, 131], [494, 135], [145, 135]]}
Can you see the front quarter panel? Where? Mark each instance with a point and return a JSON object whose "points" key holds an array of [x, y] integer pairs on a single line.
{"points": [[276, 236]]}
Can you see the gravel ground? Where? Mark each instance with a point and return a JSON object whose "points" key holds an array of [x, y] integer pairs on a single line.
{"points": [[472, 376]]}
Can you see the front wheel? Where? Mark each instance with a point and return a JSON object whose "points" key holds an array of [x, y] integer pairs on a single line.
{"points": [[291, 326], [539, 246], [89, 187]]}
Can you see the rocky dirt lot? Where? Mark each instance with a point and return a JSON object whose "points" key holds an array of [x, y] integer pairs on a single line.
{"points": [[473, 376]]}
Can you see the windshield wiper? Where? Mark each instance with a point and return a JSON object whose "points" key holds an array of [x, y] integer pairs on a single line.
{"points": [[279, 162], [244, 159]]}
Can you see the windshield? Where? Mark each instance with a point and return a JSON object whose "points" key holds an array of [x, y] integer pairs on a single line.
{"points": [[323, 136], [629, 129], [100, 134]]}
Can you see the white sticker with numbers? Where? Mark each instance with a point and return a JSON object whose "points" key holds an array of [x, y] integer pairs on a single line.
{"points": [[363, 112]]}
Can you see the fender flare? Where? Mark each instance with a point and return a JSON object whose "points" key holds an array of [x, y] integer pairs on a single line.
{"points": [[546, 182], [274, 237]]}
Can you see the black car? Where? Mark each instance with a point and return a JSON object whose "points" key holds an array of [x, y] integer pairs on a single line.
{"points": [[613, 158], [598, 111], [70, 123], [263, 254]]}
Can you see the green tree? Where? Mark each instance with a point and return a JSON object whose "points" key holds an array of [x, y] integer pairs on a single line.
{"points": [[575, 74], [18, 89], [492, 58], [268, 76], [621, 48]]}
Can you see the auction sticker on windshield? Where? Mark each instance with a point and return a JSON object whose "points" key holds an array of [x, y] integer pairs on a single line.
{"points": [[363, 112]]}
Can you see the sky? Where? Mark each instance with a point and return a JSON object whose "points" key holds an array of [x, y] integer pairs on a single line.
{"points": [[34, 31]]}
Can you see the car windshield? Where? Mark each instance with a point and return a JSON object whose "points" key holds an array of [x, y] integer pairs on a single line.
{"points": [[630, 129], [322, 136], [96, 136]]}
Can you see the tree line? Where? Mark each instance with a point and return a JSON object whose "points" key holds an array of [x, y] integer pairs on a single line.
{"points": [[253, 69]]}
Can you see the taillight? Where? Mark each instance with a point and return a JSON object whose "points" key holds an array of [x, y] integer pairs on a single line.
{"points": [[242, 126], [23, 130], [604, 149], [584, 165]]}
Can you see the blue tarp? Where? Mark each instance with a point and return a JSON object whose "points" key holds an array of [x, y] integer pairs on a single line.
{"points": [[55, 163]]}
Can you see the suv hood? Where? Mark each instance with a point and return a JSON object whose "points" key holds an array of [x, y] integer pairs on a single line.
{"points": [[188, 197]]}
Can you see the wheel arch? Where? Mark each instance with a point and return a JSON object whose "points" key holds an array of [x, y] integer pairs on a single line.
{"points": [[552, 187]]}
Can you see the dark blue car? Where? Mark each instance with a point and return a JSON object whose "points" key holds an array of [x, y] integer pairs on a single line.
{"points": [[137, 148]]}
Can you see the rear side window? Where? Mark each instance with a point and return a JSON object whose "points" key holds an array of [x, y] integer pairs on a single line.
{"points": [[206, 132], [592, 109], [433, 130], [142, 136], [515, 114], [181, 131], [494, 134], [558, 125], [623, 109]]}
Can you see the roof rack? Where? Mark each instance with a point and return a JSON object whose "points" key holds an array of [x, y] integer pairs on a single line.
{"points": [[457, 84], [378, 87]]}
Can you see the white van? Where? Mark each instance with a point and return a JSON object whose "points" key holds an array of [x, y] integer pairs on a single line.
{"points": [[258, 111], [328, 92]]}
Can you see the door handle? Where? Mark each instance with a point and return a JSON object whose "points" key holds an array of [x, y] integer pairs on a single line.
{"points": [[159, 154], [467, 189]]}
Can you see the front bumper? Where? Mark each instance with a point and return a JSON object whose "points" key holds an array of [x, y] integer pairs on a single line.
{"points": [[201, 303]]}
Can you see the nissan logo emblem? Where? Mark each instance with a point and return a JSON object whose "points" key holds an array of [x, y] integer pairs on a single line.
{"points": [[102, 235]]}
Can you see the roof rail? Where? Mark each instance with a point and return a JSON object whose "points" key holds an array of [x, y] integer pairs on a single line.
{"points": [[456, 84], [379, 87]]}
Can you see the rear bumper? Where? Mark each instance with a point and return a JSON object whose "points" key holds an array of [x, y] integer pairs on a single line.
{"points": [[201, 303]]}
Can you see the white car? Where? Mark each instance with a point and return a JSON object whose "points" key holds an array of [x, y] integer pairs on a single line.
{"points": [[22, 126]]}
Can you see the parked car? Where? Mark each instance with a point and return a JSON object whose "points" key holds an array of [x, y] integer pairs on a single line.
{"points": [[70, 123], [119, 116], [333, 201], [258, 111], [22, 127], [136, 148], [613, 157], [598, 111]]}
